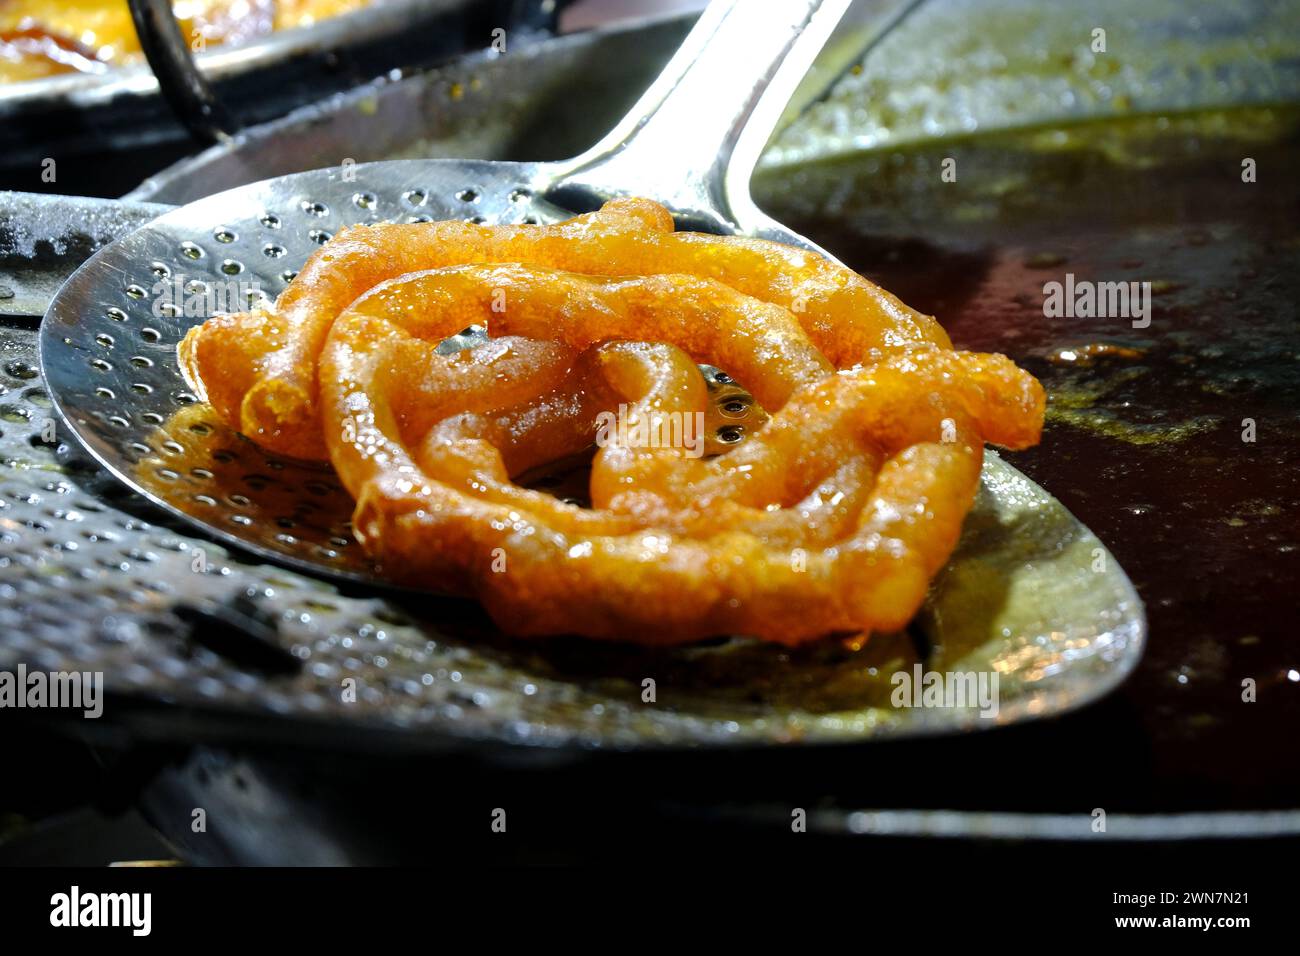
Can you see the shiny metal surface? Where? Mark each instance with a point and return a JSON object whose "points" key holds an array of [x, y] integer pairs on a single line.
{"points": [[43, 239], [1068, 626], [694, 138]]}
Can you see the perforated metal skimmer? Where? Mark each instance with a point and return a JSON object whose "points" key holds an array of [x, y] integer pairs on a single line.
{"points": [[108, 351]]}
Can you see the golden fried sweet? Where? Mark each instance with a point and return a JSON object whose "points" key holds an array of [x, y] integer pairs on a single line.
{"points": [[832, 517]]}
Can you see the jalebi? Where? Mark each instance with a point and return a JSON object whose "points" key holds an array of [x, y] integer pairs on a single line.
{"points": [[833, 517]]}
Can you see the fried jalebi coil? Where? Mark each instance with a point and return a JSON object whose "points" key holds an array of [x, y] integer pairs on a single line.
{"points": [[832, 518], [258, 369]]}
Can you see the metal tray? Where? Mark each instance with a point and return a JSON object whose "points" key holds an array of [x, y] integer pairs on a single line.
{"points": [[79, 115]]}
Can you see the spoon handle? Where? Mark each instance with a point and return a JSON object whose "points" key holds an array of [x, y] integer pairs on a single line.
{"points": [[703, 122]]}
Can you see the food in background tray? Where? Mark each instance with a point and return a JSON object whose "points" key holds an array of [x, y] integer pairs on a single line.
{"points": [[40, 38]]}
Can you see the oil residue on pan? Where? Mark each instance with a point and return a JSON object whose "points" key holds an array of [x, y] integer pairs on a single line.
{"points": [[1173, 435]]}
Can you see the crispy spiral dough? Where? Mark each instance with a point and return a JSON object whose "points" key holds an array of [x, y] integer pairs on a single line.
{"points": [[833, 517]]}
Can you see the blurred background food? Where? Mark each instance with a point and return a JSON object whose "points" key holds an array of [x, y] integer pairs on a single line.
{"points": [[40, 38]]}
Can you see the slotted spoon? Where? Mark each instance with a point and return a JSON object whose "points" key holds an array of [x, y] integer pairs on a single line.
{"points": [[1072, 625]]}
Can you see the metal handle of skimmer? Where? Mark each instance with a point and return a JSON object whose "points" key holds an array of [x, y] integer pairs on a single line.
{"points": [[693, 138]]}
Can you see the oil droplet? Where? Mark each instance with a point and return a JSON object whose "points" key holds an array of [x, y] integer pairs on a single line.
{"points": [[1089, 353]]}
